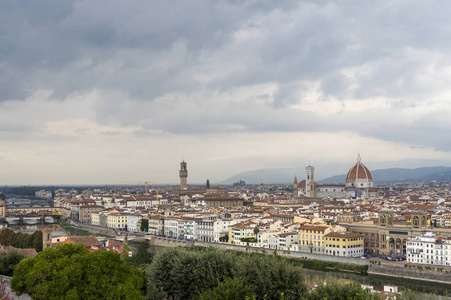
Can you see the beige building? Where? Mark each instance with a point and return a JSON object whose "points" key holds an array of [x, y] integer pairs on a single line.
{"points": [[156, 225], [388, 236], [87, 210]]}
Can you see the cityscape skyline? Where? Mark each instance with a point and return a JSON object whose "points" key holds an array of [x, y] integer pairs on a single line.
{"points": [[101, 95]]}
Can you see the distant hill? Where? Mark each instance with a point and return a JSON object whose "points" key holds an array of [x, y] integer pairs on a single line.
{"points": [[426, 174], [285, 176]]}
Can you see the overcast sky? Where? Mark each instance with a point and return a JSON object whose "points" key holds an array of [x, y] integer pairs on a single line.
{"points": [[95, 92]]}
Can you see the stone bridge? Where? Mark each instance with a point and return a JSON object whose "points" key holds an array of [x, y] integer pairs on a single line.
{"points": [[32, 219]]}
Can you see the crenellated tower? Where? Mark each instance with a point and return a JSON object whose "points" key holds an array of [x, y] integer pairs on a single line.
{"points": [[183, 175]]}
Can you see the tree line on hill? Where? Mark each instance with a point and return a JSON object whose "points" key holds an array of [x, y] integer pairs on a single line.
{"points": [[21, 240]]}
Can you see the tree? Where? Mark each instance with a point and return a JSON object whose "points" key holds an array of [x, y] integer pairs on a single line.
{"points": [[2, 196], [229, 289], [179, 273], [144, 225], [224, 238], [8, 261], [21, 240], [71, 270], [270, 276], [207, 185], [37, 241], [6, 236], [142, 257], [256, 230]]}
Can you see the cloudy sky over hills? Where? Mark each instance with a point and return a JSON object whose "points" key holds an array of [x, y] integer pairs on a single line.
{"points": [[106, 92]]}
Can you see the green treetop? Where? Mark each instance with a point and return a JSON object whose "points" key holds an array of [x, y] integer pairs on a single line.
{"points": [[72, 272]]}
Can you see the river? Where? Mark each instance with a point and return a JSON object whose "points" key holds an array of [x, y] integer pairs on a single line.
{"points": [[421, 289]]}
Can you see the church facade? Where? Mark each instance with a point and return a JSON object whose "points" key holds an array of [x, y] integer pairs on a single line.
{"points": [[359, 184]]}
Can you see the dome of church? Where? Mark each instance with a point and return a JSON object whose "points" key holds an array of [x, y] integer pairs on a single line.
{"points": [[359, 172]]}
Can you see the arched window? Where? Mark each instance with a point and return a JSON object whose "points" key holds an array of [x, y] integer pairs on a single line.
{"points": [[383, 220]]}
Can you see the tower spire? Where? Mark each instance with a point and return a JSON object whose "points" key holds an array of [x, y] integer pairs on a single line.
{"points": [[358, 159]]}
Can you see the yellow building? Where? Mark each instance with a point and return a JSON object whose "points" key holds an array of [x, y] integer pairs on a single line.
{"points": [[344, 244], [117, 220], [311, 238]]}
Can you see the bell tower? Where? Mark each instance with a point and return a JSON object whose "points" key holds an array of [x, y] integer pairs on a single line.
{"points": [[309, 180], [183, 175], [295, 187], [46, 238]]}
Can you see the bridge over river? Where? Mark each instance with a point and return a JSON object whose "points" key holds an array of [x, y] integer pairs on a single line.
{"points": [[32, 219]]}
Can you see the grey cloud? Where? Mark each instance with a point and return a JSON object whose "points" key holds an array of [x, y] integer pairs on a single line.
{"points": [[148, 49]]}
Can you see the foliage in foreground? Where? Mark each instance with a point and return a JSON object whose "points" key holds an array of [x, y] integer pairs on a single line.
{"points": [[229, 289], [179, 273], [72, 272], [335, 290], [8, 262]]}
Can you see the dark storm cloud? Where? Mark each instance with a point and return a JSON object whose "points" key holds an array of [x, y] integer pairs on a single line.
{"points": [[198, 66], [54, 44]]}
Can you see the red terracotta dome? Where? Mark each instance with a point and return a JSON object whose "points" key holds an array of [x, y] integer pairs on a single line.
{"points": [[359, 171]]}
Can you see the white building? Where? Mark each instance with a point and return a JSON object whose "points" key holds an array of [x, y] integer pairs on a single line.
{"points": [[429, 249], [287, 240], [132, 222], [221, 228], [273, 241], [205, 230], [171, 227], [189, 228]]}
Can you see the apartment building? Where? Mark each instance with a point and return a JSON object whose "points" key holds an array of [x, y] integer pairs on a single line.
{"points": [[429, 249], [132, 222], [85, 212], [205, 230], [156, 225], [311, 238], [344, 244], [241, 230], [283, 241], [117, 221], [171, 227]]}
